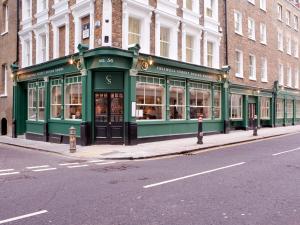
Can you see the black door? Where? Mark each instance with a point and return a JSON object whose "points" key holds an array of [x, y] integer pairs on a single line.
{"points": [[251, 114], [109, 123]]}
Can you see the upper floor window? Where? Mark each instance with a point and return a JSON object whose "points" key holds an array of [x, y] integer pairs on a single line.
{"points": [[4, 17], [189, 4], [288, 17], [238, 22], [134, 31], [26, 53], [296, 78], [296, 48], [263, 33], [3, 81], [279, 12], [239, 63], [41, 5], [264, 69], [263, 5], [280, 40], [251, 28], [209, 8], [26, 9], [43, 48], [164, 41], [280, 74], [296, 22], [189, 48], [210, 53], [289, 76], [288, 45], [252, 67]]}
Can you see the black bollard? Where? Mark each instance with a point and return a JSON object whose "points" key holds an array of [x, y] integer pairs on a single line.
{"points": [[255, 126], [200, 131]]}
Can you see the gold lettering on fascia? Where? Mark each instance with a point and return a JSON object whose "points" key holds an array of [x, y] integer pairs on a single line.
{"points": [[106, 60], [42, 73], [184, 72]]}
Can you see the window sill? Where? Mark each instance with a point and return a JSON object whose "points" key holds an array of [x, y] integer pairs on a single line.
{"points": [[239, 33], [236, 119], [3, 96], [252, 38], [264, 10], [4, 33], [241, 76], [252, 78], [264, 81], [263, 43]]}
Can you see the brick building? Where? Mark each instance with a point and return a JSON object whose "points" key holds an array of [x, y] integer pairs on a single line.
{"points": [[263, 52], [8, 55]]}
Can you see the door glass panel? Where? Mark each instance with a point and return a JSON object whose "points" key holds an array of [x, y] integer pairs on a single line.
{"points": [[101, 107], [116, 107]]}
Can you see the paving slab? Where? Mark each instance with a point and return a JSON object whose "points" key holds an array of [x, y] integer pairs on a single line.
{"points": [[151, 149]]}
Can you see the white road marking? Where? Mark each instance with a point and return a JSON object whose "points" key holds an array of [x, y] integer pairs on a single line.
{"points": [[70, 167], [46, 169], [6, 174], [68, 164], [193, 175], [105, 163], [288, 151], [23, 217], [96, 161], [6, 170], [36, 167]]}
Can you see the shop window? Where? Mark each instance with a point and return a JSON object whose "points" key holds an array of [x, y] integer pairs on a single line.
{"points": [[164, 41], [150, 98], [217, 102], [236, 107], [36, 101], [265, 108], [298, 109], [289, 105], [56, 99], [134, 31], [73, 98], [200, 100], [177, 99], [280, 108]]}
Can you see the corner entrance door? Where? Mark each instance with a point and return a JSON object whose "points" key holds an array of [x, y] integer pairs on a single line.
{"points": [[251, 114], [109, 123]]}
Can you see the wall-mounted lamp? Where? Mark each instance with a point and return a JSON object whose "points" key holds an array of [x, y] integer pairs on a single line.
{"points": [[75, 62], [144, 63]]}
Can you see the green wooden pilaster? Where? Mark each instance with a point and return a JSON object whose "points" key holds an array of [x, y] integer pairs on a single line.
{"points": [[273, 111], [294, 111], [129, 96], [167, 115], [245, 111], [225, 105], [212, 91], [284, 111], [84, 97], [258, 105], [89, 96], [47, 99], [187, 99]]}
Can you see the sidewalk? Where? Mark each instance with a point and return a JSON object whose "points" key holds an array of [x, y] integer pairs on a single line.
{"points": [[152, 149]]}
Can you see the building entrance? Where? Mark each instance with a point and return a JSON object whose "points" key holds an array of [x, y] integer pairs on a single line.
{"points": [[109, 117], [251, 114]]}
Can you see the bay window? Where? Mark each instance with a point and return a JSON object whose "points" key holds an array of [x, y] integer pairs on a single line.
{"points": [[200, 100], [177, 99], [73, 98], [265, 108], [150, 98], [236, 106]]}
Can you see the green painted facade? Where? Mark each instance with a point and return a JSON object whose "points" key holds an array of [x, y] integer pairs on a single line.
{"points": [[111, 70]]}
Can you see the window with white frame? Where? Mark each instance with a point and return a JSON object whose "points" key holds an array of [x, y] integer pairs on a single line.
{"points": [[251, 28], [263, 5], [4, 17], [210, 53], [150, 98], [32, 101], [289, 109], [56, 99], [288, 17], [297, 108], [26, 9], [3, 81], [288, 45], [263, 33], [296, 22], [296, 78], [134, 31], [41, 5], [264, 69], [279, 12], [43, 48], [217, 102], [280, 74], [36, 101], [239, 63], [289, 76], [296, 48], [265, 108], [26, 61], [252, 1], [209, 8], [41, 102], [279, 108], [252, 67], [236, 106], [238, 22], [177, 99], [200, 100], [73, 98], [189, 48], [164, 41], [189, 4], [280, 40]]}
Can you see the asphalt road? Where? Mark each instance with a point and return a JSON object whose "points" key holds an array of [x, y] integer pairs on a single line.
{"points": [[254, 184]]}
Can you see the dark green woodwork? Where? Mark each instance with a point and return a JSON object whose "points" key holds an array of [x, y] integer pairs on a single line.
{"points": [[109, 81]]}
